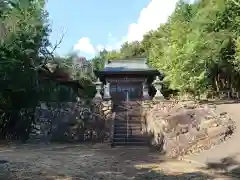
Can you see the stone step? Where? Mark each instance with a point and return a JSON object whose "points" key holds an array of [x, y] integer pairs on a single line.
{"points": [[130, 105], [129, 119], [132, 128], [139, 134], [134, 123], [133, 114], [138, 123], [129, 144], [134, 118], [121, 130], [122, 123], [36, 140], [124, 131], [37, 136], [130, 139]]}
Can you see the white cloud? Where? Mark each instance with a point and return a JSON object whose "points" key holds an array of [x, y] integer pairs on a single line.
{"points": [[191, 1], [112, 43], [150, 17], [100, 47], [84, 45], [156, 13]]}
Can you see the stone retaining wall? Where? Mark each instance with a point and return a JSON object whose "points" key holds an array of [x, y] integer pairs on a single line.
{"points": [[175, 128], [178, 128], [71, 121]]}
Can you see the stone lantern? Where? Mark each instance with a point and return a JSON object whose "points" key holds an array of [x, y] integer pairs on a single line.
{"points": [[98, 88], [158, 86]]}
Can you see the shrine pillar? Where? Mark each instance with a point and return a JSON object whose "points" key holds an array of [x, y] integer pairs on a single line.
{"points": [[107, 95], [145, 91]]}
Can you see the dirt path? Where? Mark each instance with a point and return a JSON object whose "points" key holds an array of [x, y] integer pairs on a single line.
{"points": [[62, 162]]}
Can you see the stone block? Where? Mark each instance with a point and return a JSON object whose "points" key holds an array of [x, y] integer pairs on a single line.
{"points": [[183, 123], [205, 124], [216, 131], [105, 108]]}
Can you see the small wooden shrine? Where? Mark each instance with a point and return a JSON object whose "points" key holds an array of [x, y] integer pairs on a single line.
{"points": [[126, 82], [133, 76]]}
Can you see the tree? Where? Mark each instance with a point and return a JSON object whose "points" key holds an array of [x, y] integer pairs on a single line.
{"points": [[22, 50], [197, 46], [133, 49]]}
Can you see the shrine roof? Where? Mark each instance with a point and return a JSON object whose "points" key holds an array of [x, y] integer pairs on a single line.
{"points": [[133, 67], [127, 65]]}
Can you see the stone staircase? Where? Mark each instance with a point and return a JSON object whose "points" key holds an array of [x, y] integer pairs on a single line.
{"points": [[37, 135], [127, 129]]}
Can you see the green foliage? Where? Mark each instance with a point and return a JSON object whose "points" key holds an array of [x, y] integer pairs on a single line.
{"points": [[133, 49], [198, 48], [24, 49], [24, 40], [127, 50]]}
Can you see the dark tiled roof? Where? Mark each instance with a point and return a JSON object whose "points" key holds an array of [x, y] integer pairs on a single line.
{"points": [[137, 64]]}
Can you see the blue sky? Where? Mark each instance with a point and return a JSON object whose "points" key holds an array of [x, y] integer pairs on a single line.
{"points": [[90, 25]]}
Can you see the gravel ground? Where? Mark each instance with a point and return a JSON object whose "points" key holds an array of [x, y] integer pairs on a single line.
{"points": [[72, 162]]}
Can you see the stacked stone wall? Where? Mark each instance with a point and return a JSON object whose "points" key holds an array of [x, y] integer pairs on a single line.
{"points": [[72, 121], [178, 128]]}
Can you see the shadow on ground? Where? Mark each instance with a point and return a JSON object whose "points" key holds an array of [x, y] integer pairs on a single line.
{"points": [[228, 166], [141, 174]]}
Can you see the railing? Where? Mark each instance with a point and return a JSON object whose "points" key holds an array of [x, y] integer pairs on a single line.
{"points": [[113, 127], [127, 99]]}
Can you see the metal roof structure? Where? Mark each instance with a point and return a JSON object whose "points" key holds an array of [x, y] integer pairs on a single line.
{"points": [[133, 65], [127, 67], [137, 64]]}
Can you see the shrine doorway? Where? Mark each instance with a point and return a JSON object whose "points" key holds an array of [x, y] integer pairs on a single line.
{"points": [[120, 90]]}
